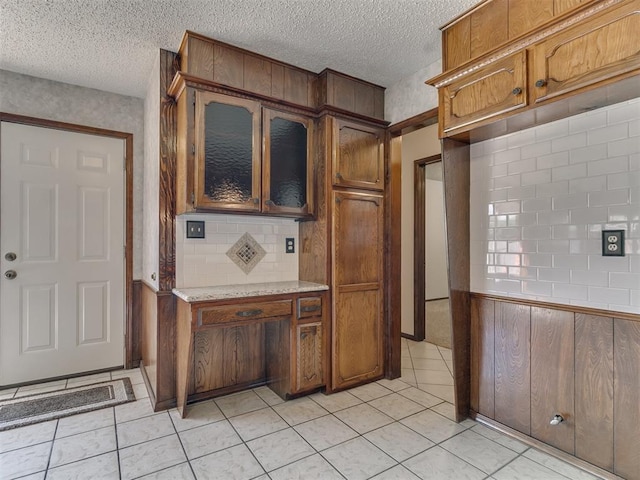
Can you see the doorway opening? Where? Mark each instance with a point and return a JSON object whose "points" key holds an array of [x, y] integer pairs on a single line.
{"points": [[432, 317]]}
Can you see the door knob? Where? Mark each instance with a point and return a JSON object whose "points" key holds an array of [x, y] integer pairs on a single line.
{"points": [[556, 420], [10, 274], [10, 256]]}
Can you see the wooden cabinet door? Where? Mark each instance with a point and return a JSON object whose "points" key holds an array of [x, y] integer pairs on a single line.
{"points": [[357, 334], [494, 90], [552, 377], [227, 153], [593, 51], [309, 371], [287, 177], [357, 156]]}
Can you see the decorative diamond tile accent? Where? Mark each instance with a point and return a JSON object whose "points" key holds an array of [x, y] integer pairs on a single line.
{"points": [[246, 253]]}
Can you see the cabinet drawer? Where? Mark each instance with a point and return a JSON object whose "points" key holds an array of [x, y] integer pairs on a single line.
{"points": [[309, 307], [492, 91], [245, 311]]}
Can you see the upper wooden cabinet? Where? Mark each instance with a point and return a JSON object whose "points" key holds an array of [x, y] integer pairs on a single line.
{"points": [[238, 155], [591, 52], [554, 49], [497, 89], [357, 155]]}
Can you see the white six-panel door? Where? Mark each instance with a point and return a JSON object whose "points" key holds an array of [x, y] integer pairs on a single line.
{"points": [[62, 215]]}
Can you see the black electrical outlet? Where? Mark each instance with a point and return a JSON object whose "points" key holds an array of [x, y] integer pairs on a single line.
{"points": [[195, 229], [290, 245], [613, 243]]}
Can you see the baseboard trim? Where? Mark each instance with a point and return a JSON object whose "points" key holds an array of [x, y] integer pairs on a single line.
{"points": [[532, 442]]}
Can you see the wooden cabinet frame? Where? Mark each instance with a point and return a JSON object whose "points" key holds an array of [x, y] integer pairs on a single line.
{"points": [[267, 205], [202, 99]]}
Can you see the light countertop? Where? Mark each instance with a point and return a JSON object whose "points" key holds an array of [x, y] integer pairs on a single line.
{"points": [[223, 292]]}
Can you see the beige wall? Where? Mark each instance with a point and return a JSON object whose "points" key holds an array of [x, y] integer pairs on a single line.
{"points": [[419, 144]]}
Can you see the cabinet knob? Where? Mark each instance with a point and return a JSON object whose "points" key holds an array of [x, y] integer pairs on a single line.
{"points": [[255, 200], [517, 91], [557, 419], [541, 83]]}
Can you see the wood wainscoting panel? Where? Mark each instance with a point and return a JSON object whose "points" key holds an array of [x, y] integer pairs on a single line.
{"points": [[482, 356], [513, 366], [594, 390], [626, 394], [552, 377]]}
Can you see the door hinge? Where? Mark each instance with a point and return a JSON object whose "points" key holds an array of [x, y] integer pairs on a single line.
{"points": [[193, 198], [193, 148], [194, 97]]}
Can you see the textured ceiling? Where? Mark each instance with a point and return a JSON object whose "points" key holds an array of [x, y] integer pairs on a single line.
{"points": [[111, 44]]}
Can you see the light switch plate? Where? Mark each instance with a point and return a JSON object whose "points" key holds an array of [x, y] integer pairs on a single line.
{"points": [[613, 243], [195, 229]]}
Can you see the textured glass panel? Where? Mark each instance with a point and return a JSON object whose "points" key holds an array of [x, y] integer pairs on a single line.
{"points": [[228, 152], [288, 163]]}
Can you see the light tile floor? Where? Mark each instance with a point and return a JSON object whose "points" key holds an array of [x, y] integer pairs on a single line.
{"points": [[399, 429]]}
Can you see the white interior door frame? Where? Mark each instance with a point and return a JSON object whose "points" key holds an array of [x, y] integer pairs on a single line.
{"points": [[132, 355]]}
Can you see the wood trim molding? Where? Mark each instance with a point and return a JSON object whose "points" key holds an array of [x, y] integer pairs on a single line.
{"points": [[414, 123], [634, 317], [131, 320], [419, 245], [544, 447]]}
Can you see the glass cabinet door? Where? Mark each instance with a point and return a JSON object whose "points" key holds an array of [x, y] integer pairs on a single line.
{"points": [[287, 164], [227, 173]]}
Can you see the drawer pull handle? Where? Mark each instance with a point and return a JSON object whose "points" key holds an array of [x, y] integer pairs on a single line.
{"points": [[310, 308], [248, 313], [517, 91], [541, 83]]}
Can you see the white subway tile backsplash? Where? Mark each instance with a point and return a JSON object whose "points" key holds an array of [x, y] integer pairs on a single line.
{"points": [[555, 188], [608, 133], [609, 197], [609, 165], [623, 180], [609, 295], [559, 159], [572, 262], [590, 184], [572, 232], [569, 142], [576, 200], [536, 150], [589, 215], [561, 275], [552, 189], [537, 288], [590, 278], [552, 130], [624, 280], [553, 246], [573, 292], [623, 112], [587, 154], [570, 172], [536, 205], [581, 123], [555, 217], [536, 178], [627, 146]]}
